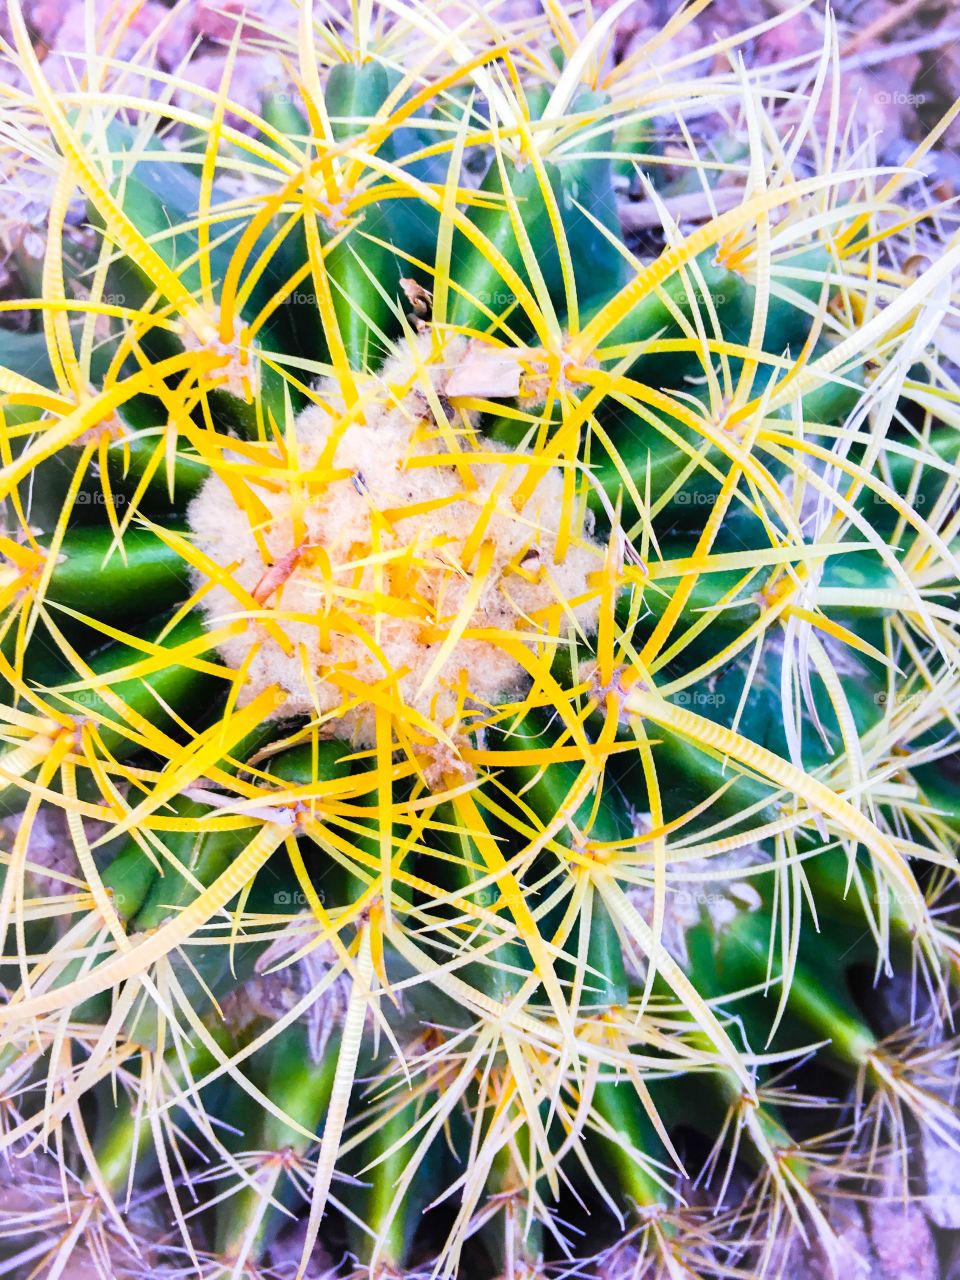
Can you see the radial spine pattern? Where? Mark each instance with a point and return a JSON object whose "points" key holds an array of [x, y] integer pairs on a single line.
{"points": [[480, 695]]}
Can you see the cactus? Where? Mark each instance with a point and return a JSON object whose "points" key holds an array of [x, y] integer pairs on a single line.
{"points": [[475, 697]]}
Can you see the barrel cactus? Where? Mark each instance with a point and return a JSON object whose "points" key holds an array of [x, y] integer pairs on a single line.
{"points": [[480, 692]]}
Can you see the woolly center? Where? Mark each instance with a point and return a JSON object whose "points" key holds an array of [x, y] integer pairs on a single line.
{"points": [[395, 570]]}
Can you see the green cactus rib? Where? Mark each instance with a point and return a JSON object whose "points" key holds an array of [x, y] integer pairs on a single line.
{"points": [[248, 1219]]}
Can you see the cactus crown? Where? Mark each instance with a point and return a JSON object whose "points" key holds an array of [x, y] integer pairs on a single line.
{"points": [[430, 552]]}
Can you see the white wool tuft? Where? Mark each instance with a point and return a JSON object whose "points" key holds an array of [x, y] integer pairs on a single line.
{"points": [[360, 554]]}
